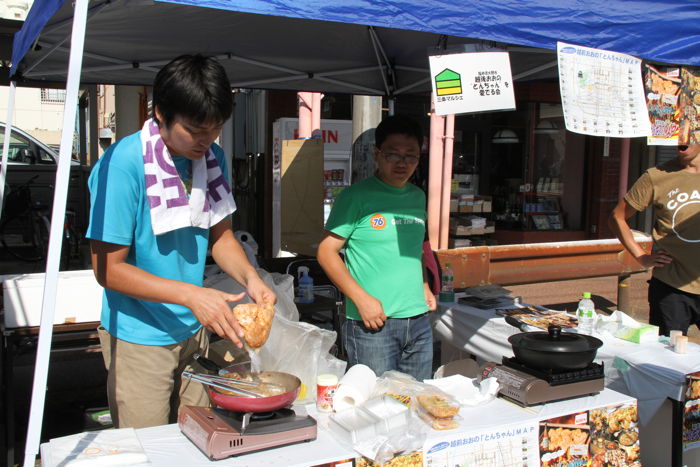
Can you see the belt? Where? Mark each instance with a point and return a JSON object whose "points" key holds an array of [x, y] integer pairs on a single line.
{"points": [[414, 317]]}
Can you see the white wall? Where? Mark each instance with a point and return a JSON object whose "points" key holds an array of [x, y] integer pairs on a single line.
{"points": [[42, 120]]}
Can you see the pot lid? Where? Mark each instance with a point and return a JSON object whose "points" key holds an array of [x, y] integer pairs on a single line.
{"points": [[555, 341]]}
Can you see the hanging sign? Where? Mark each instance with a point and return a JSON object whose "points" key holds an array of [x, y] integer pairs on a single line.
{"points": [[662, 86], [472, 82], [689, 106], [602, 92]]}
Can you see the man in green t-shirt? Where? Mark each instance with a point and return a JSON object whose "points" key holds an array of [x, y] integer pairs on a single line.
{"points": [[380, 222], [673, 189]]}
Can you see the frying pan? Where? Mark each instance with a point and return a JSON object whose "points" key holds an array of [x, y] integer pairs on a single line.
{"points": [[553, 350], [290, 383]]}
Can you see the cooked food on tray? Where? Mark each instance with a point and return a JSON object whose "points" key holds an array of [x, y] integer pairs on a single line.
{"points": [[256, 322], [437, 406], [540, 317], [628, 438], [437, 411], [563, 438]]}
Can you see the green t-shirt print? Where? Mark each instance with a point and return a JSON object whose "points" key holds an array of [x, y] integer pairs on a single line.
{"points": [[384, 227]]}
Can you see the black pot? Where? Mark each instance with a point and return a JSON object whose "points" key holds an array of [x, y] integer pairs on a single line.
{"points": [[554, 350]]}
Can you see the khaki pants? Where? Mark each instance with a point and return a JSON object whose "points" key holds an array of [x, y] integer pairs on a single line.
{"points": [[144, 383]]}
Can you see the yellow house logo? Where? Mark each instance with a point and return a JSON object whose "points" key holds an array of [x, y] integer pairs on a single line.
{"points": [[448, 82]]}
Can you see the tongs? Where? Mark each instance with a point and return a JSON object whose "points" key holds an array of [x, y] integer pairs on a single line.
{"points": [[222, 382]]}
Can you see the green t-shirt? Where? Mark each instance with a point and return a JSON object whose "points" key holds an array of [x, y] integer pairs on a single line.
{"points": [[385, 228]]}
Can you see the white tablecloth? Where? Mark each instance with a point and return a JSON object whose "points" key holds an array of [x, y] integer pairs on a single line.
{"points": [[166, 446], [648, 372]]}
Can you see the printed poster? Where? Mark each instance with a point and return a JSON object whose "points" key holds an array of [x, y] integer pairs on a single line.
{"points": [[663, 86], [689, 103], [507, 446], [614, 436], [564, 440], [691, 412], [472, 82], [602, 92]]}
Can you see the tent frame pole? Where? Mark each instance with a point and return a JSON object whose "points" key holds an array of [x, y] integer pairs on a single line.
{"points": [[6, 141], [43, 351]]}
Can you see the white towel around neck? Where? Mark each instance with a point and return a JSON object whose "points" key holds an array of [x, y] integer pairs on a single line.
{"points": [[210, 199]]}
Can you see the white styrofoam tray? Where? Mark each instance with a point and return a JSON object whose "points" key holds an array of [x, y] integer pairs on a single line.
{"points": [[78, 298]]}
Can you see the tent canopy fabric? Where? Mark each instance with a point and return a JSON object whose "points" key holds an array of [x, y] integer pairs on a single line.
{"points": [[352, 46]]}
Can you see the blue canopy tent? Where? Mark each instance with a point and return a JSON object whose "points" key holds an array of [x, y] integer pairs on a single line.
{"points": [[351, 46], [355, 46]]}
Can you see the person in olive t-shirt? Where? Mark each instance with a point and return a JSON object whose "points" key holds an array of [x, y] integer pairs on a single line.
{"points": [[380, 222], [673, 189]]}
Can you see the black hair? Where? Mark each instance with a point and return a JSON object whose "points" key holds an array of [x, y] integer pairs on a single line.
{"points": [[194, 87], [398, 125]]}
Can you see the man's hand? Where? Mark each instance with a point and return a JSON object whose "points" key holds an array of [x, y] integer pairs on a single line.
{"points": [[212, 308], [371, 312], [657, 259], [260, 292], [429, 297]]}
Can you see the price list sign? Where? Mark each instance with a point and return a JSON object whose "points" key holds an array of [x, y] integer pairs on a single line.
{"points": [[602, 92]]}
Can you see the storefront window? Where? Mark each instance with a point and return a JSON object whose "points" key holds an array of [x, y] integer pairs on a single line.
{"points": [[524, 166]]}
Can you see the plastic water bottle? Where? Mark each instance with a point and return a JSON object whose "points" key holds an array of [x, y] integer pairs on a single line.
{"points": [[586, 314], [447, 292], [305, 291]]}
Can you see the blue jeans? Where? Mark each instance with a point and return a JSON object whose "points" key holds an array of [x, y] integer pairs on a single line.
{"points": [[402, 344]]}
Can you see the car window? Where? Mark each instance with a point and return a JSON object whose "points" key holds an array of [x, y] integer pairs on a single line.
{"points": [[45, 157], [19, 148]]}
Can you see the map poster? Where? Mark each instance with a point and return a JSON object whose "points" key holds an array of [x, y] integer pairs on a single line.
{"points": [[472, 82], [506, 446], [662, 86], [691, 412], [602, 92], [689, 104]]}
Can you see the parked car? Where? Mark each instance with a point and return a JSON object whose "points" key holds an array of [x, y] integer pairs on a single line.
{"points": [[28, 157]]}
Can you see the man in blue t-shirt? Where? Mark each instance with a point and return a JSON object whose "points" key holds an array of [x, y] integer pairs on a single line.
{"points": [[159, 201]]}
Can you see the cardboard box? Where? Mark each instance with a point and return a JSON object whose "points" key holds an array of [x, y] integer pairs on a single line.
{"points": [[474, 205], [78, 298], [487, 203], [459, 243]]}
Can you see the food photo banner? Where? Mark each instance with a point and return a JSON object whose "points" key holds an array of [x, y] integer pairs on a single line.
{"points": [[602, 92], [691, 412], [472, 82], [689, 106], [662, 86]]}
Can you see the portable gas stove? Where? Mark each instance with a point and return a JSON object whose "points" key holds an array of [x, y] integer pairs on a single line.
{"points": [[220, 433], [526, 386]]}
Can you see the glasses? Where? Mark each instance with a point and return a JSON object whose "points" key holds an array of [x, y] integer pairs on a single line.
{"points": [[394, 158]]}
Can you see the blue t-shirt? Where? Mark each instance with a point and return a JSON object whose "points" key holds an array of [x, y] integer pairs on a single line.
{"points": [[120, 214]]}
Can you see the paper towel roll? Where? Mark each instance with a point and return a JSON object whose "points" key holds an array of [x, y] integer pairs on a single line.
{"points": [[354, 387]]}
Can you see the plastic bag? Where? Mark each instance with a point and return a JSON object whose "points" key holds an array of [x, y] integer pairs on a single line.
{"points": [[437, 408], [281, 284], [301, 349], [379, 429], [293, 347]]}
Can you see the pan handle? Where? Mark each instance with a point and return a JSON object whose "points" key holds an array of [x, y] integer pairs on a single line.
{"points": [[516, 323], [206, 363]]}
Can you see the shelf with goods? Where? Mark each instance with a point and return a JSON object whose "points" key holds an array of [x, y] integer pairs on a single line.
{"points": [[470, 221], [542, 211]]}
